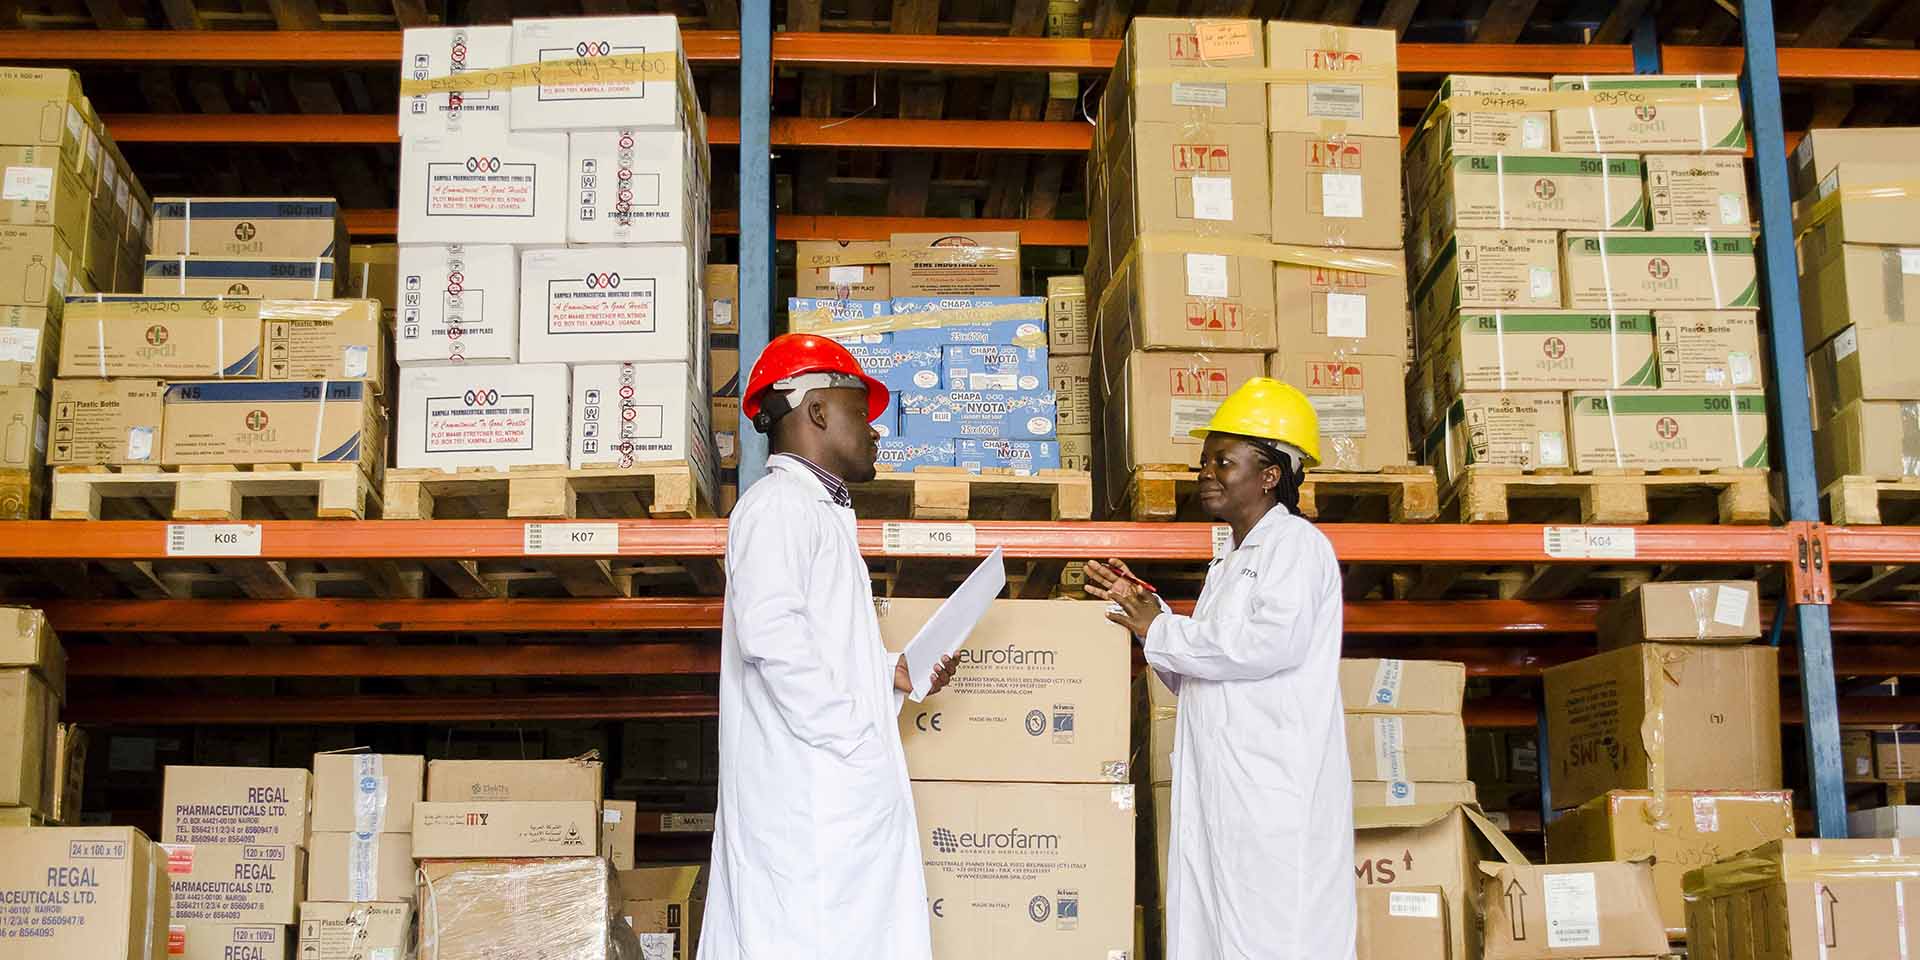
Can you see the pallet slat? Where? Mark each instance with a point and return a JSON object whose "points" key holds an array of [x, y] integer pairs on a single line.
{"points": [[1396, 494], [1871, 501], [1617, 497], [952, 493], [544, 493], [335, 491]]}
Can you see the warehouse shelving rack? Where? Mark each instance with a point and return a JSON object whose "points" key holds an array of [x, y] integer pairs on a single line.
{"points": [[1497, 638]]}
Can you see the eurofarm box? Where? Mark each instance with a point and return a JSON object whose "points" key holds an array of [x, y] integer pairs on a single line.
{"points": [[1649, 271], [628, 413], [103, 422], [587, 304], [236, 882], [471, 189], [1658, 430], [1537, 190], [1652, 114], [135, 335], [311, 279], [458, 304], [429, 53], [274, 228], [640, 83], [634, 186], [292, 421], [95, 892], [234, 805], [483, 416]]}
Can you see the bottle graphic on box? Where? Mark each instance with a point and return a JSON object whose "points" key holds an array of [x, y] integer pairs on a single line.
{"points": [[16, 441]]}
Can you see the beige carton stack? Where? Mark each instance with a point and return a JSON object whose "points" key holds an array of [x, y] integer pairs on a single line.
{"points": [[234, 842], [360, 874], [73, 219], [96, 892], [1667, 744], [723, 340], [1833, 899], [1020, 782], [1070, 370], [1585, 289], [34, 771]]}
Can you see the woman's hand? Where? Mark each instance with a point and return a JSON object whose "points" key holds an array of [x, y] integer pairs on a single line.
{"points": [[1113, 582]]}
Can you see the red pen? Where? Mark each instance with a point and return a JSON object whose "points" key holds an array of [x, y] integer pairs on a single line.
{"points": [[1148, 587]]}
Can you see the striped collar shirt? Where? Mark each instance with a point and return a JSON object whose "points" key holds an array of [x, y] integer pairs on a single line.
{"points": [[835, 487]]}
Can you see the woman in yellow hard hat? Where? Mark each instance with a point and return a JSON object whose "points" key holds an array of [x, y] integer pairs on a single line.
{"points": [[1261, 856]]}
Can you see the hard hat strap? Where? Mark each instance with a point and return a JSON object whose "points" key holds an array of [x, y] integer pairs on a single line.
{"points": [[786, 394]]}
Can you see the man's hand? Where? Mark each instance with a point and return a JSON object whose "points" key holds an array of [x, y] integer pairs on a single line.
{"points": [[942, 675], [1112, 581]]}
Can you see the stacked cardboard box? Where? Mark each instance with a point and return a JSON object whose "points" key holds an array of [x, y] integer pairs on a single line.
{"points": [[723, 339], [235, 850], [95, 892], [1070, 369], [1020, 782], [664, 906], [73, 219], [360, 851], [1585, 294], [553, 248], [33, 682], [246, 247], [1603, 909], [1504, 766], [1836, 899]]}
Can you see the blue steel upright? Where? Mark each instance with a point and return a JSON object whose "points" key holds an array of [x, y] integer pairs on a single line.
{"points": [[756, 211], [1790, 421]]}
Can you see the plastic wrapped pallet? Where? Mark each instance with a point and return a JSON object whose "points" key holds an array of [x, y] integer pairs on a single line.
{"points": [[557, 909]]}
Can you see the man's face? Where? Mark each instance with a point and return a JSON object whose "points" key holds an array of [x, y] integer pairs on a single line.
{"points": [[851, 440]]}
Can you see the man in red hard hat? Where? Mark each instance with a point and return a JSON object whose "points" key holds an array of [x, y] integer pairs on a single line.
{"points": [[816, 852]]}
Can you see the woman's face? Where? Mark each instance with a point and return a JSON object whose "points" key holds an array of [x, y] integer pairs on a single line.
{"points": [[1233, 475]]}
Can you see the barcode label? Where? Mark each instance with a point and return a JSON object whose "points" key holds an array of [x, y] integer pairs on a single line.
{"points": [[1337, 101]]}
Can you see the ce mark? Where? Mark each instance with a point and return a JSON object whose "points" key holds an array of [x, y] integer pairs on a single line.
{"points": [[927, 722], [940, 907]]}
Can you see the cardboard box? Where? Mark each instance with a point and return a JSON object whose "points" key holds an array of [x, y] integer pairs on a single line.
{"points": [[1547, 350], [1783, 900], [324, 340], [42, 189], [99, 422], [1707, 350], [1180, 296], [1880, 438], [635, 186], [455, 781], [1160, 397], [663, 905], [1041, 695], [1402, 748], [360, 867], [1174, 178], [43, 108], [1402, 686], [1896, 754], [905, 456], [510, 910], [1862, 364], [291, 421], [1067, 891], [909, 366], [1340, 192], [848, 321], [1020, 458], [1351, 83], [588, 304], [988, 415], [464, 829], [1664, 717], [1443, 128], [97, 892], [1571, 910], [37, 266], [843, 269], [967, 321], [132, 335], [458, 304], [1658, 430], [234, 805], [1643, 124], [1071, 379], [1821, 150], [1537, 190], [1430, 845], [628, 413], [723, 295], [1677, 831], [366, 792], [313, 279], [1357, 307], [1852, 284], [1068, 332], [955, 265], [1361, 402], [1884, 823], [1488, 270], [272, 228], [1856, 755], [27, 641], [494, 189], [433, 52], [1520, 430], [196, 940], [253, 883], [23, 425], [483, 416], [1076, 451], [1649, 271], [616, 832], [663, 99], [1381, 793], [988, 367], [1173, 69], [1403, 923], [350, 931], [1697, 192], [69, 773], [1861, 203], [1693, 611], [29, 347], [28, 757]]}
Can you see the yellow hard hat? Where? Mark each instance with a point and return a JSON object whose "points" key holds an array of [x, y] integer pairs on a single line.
{"points": [[1266, 408]]}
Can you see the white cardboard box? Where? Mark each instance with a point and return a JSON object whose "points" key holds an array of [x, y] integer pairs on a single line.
{"points": [[506, 188], [631, 186], [433, 52], [588, 304], [458, 304], [597, 104], [1884, 823], [628, 413], [502, 415]]}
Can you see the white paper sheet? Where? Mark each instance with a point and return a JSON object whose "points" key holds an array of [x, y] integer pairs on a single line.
{"points": [[948, 628]]}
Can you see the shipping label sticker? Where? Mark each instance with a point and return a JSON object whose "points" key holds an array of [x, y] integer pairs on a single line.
{"points": [[140, 443], [686, 823], [656, 946], [1206, 275], [480, 419], [1730, 606], [179, 858], [842, 276], [1402, 903], [481, 187], [1540, 283], [723, 313], [571, 539], [353, 361], [1533, 133], [1552, 449], [1386, 682], [1342, 196], [1740, 368], [1224, 39], [601, 303], [1733, 210], [213, 539], [1187, 414], [1343, 416], [1572, 908], [1336, 101], [1706, 815], [1588, 543], [1846, 344], [1910, 261], [19, 344], [929, 539], [1199, 94], [27, 184], [1347, 315], [1212, 198]]}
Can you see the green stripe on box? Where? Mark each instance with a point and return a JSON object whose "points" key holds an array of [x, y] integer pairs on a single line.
{"points": [[1646, 376], [1595, 323], [1563, 166], [1654, 404], [1758, 458], [1647, 83], [1637, 217], [1750, 297], [1737, 137], [1627, 245]]}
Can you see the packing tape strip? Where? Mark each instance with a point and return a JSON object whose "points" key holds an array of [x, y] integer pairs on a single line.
{"points": [[1825, 208], [614, 68], [319, 422], [100, 331], [820, 320], [1160, 76], [1893, 283]]}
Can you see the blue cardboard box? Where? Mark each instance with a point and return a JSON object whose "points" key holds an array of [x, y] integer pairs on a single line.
{"points": [[906, 456], [889, 422], [976, 321], [900, 367], [821, 315], [981, 415], [1023, 457], [995, 367]]}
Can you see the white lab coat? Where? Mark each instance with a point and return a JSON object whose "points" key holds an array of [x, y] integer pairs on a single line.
{"points": [[816, 854], [1260, 863]]}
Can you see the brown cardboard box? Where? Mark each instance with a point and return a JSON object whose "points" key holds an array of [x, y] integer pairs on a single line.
{"points": [[69, 773], [43, 190], [1443, 129], [1381, 793], [365, 792], [29, 347], [1324, 309], [29, 713], [234, 805], [27, 640], [616, 832], [1658, 430], [1664, 717], [994, 901], [722, 293], [1156, 50], [1173, 178], [274, 228], [352, 931], [1571, 910], [1870, 364], [1896, 754], [360, 867], [1545, 350], [1068, 332], [1538, 190], [1519, 430], [663, 905], [1076, 451], [1684, 830], [1821, 150], [1402, 748], [373, 273], [1361, 401], [99, 250], [509, 910], [1854, 284], [512, 828], [1350, 86], [196, 940], [1490, 270], [1697, 192], [499, 780], [1341, 192], [1652, 271], [236, 882], [106, 422], [43, 107], [1715, 126], [309, 279], [955, 265], [1160, 396], [97, 892], [1398, 924], [1402, 686], [290, 421], [1872, 437], [1071, 380], [1052, 666], [1692, 611], [1708, 349], [1862, 203], [131, 335], [1429, 845], [37, 266], [324, 340], [840, 269], [1176, 293], [1784, 900], [1856, 755]]}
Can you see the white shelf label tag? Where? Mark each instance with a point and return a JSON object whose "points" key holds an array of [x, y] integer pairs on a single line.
{"points": [[213, 539], [1589, 543], [593, 539], [929, 539]]}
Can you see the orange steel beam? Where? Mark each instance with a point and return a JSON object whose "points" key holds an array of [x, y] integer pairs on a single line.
{"points": [[239, 48], [343, 616], [387, 660], [253, 128], [863, 51], [117, 709], [1873, 545]]}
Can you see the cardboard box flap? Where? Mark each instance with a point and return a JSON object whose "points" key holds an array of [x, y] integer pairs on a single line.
{"points": [[659, 883], [1800, 861], [813, 254], [1501, 845]]}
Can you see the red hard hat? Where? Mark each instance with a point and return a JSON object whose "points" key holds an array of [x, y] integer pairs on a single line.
{"points": [[793, 354]]}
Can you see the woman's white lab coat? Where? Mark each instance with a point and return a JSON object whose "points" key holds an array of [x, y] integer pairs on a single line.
{"points": [[1260, 863], [816, 855]]}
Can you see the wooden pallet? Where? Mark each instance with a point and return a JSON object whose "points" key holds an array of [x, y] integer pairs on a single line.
{"points": [[1394, 494], [1612, 496], [328, 491], [1867, 500], [952, 493], [546, 493]]}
